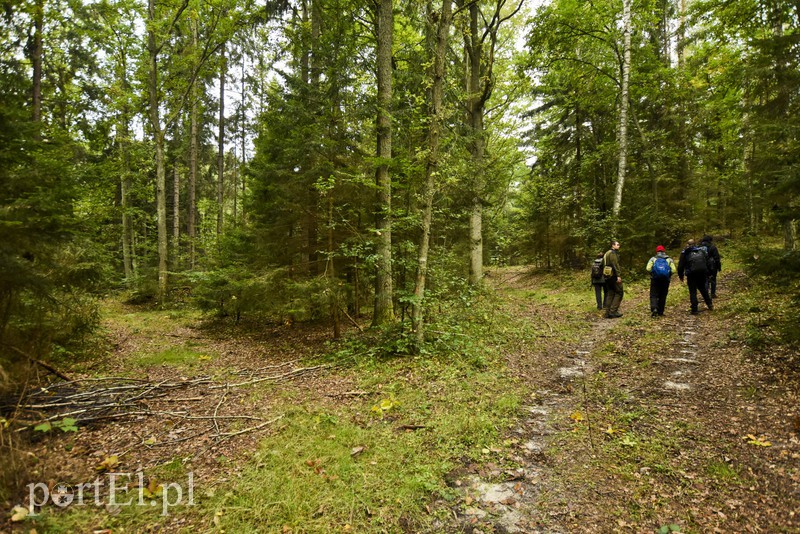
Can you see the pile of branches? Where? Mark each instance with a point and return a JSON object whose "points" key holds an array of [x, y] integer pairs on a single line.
{"points": [[91, 401]]}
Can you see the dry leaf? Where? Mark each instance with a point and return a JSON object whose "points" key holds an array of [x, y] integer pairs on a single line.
{"points": [[18, 513]]}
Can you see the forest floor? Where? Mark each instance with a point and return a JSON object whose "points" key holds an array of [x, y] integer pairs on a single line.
{"points": [[580, 424]]}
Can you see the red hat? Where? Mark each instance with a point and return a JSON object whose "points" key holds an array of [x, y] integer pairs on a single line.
{"points": [[660, 248]]}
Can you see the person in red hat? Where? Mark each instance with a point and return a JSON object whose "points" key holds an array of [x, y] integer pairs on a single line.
{"points": [[661, 268]]}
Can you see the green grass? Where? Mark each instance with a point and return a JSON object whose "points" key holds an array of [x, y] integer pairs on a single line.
{"points": [[178, 356], [306, 477]]}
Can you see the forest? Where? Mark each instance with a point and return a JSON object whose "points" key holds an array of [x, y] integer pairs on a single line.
{"points": [[370, 219]]}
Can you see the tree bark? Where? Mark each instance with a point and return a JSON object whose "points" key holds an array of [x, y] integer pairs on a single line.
{"points": [[384, 309], [36, 60], [477, 101], [158, 138], [191, 201], [176, 218], [221, 144], [125, 178], [431, 166], [623, 112]]}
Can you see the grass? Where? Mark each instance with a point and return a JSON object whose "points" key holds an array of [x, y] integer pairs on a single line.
{"points": [[347, 466], [308, 477], [177, 356]]}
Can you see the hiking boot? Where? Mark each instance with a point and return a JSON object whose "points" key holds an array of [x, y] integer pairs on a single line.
{"points": [[653, 313], [693, 312]]}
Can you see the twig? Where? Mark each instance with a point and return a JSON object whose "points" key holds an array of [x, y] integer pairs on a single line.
{"points": [[294, 372], [251, 429], [40, 363], [216, 409], [351, 319], [351, 394]]}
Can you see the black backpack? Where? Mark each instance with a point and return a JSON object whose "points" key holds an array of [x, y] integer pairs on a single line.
{"points": [[597, 270], [696, 260]]}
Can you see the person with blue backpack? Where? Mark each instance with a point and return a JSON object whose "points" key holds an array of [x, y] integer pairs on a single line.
{"points": [[694, 263], [661, 268]]}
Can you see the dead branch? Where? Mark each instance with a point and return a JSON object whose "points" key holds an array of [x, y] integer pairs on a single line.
{"points": [[251, 429], [40, 363], [275, 378]]}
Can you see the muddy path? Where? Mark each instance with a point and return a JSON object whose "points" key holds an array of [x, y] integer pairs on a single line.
{"points": [[641, 424]]}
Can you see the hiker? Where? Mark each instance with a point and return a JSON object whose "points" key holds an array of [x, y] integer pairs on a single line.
{"points": [[599, 281], [694, 263], [714, 264], [613, 277], [661, 268]]}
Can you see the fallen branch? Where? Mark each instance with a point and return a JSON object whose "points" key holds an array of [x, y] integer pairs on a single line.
{"points": [[351, 319], [251, 429], [294, 372], [40, 363]]}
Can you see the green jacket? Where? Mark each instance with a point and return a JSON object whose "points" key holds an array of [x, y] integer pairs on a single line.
{"points": [[612, 258]]}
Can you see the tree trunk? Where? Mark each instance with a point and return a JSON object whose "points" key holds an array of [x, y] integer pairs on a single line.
{"points": [[176, 219], [221, 145], [431, 166], [477, 101], [36, 60], [384, 310], [158, 138], [125, 177], [242, 125], [623, 112]]}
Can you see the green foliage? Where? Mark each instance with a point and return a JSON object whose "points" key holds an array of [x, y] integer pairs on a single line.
{"points": [[68, 424], [273, 294]]}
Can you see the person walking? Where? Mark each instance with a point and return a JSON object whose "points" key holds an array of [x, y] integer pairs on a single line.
{"points": [[661, 268], [714, 264], [694, 264], [599, 281], [613, 275]]}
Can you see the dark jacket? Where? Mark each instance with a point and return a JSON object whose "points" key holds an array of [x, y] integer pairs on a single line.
{"points": [[714, 261], [682, 263]]}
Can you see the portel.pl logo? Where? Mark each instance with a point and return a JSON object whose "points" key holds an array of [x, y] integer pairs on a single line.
{"points": [[119, 489]]}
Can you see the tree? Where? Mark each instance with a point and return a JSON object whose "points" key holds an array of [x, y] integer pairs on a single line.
{"points": [[384, 31], [623, 106], [439, 25], [480, 42]]}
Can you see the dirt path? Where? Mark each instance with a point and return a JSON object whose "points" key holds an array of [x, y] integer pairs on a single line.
{"points": [[642, 424]]}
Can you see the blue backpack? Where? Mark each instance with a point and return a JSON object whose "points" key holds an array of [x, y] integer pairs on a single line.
{"points": [[661, 268]]}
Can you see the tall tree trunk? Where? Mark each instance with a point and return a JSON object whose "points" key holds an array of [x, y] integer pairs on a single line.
{"points": [[36, 60], [158, 138], [384, 308], [191, 201], [623, 112], [242, 126], [477, 102], [221, 144], [125, 174], [330, 273], [176, 219], [432, 164]]}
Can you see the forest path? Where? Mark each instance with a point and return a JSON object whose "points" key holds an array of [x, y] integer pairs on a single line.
{"points": [[640, 424]]}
